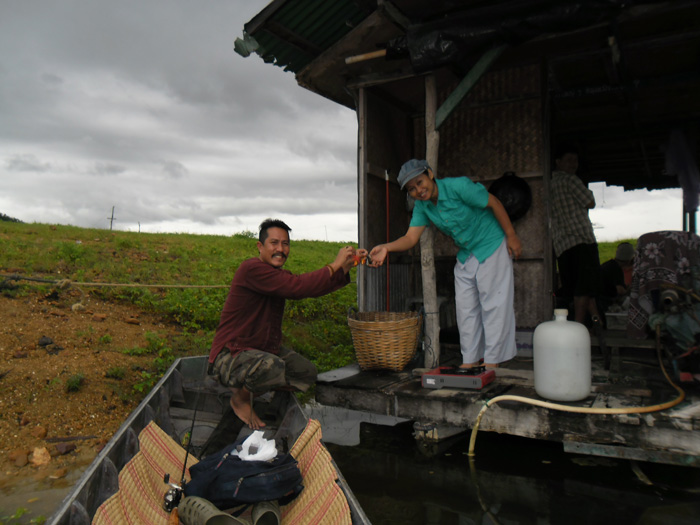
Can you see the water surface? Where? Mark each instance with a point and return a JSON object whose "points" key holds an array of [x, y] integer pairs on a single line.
{"points": [[515, 481]]}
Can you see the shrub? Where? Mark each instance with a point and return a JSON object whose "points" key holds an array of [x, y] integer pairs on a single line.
{"points": [[75, 382], [116, 372]]}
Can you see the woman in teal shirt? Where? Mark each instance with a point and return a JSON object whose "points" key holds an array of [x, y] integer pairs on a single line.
{"points": [[480, 227]]}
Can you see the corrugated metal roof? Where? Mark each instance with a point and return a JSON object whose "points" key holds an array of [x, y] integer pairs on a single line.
{"points": [[616, 87], [290, 34]]}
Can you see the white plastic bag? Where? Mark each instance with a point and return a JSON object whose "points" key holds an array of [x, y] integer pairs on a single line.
{"points": [[257, 448]]}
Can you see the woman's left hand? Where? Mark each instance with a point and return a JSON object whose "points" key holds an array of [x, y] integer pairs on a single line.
{"points": [[515, 248]]}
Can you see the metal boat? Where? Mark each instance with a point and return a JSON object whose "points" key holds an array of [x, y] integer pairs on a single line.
{"points": [[187, 405]]}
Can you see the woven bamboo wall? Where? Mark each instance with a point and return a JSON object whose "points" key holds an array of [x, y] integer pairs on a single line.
{"points": [[498, 128]]}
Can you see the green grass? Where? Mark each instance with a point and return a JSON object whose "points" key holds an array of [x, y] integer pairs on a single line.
{"points": [[315, 327], [606, 250]]}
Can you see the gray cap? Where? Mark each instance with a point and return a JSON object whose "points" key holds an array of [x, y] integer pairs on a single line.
{"points": [[625, 252], [411, 169]]}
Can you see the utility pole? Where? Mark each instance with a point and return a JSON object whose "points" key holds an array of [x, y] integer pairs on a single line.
{"points": [[111, 219]]}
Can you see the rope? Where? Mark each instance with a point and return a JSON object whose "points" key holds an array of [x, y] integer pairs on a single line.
{"points": [[583, 410], [65, 283]]}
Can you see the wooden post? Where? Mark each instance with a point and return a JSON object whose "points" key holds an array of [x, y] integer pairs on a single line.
{"points": [[362, 192], [427, 259]]}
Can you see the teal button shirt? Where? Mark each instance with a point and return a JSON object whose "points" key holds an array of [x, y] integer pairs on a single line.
{"points": [[462, 214]]}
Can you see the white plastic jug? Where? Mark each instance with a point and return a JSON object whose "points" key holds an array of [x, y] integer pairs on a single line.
{"points": [[562, 359]]}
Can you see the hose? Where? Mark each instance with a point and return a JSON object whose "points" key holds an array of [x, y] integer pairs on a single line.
{"points": [[583, 410]]}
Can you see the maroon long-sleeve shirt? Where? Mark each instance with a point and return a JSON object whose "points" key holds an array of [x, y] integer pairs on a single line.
{"points": [[252, 314]]}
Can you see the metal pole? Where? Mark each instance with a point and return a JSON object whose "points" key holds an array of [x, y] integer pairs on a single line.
{"points": [[388, 280]]}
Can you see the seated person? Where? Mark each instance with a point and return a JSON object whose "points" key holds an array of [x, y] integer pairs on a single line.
{"points": [[246, 354], [616, 276]]}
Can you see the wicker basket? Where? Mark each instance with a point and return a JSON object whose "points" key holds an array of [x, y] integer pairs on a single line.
{"points": [[384, 340]]}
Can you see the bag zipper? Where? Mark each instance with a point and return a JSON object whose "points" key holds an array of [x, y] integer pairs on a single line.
{"points": [[271, 472], [221, 461]]}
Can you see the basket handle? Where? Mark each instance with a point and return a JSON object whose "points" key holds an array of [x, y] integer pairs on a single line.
{"points": [[352, 312]]}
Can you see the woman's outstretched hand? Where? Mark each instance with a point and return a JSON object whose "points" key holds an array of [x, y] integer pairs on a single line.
{"points": [[378, 255]]}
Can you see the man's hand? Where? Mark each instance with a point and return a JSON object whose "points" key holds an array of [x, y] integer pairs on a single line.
{"points": [[346, 258]]}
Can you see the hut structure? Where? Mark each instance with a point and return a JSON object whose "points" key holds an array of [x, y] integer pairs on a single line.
{"points": [[480, 88]]}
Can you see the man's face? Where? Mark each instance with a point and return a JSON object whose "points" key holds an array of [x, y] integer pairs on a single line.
{"points": [[568, 163], [275, 250]]}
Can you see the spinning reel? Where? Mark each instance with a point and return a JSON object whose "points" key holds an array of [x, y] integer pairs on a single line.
{"points": [[172, 498]]}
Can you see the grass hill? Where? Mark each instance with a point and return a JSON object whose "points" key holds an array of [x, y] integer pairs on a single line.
{"points": [[136, 262], [316, 327]]}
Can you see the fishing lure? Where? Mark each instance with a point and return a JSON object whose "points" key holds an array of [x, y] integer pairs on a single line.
{"points": [[362, 260]]}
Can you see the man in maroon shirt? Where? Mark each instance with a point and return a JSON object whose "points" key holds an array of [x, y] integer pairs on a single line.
{"points": [[246, 354]]}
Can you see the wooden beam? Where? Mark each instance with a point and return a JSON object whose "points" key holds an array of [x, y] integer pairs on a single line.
{"points": [[632, 453], [467, 83], [427, 242], [366, 56], [549, 262], [376, 79]]}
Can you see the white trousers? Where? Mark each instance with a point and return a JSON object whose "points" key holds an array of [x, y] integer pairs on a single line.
{"points": [[484, 294]]}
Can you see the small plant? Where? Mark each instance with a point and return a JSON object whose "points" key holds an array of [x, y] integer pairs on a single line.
{"points": [[53, 382], [88, 332], [70, 251], [136, 351], [75, 382], [116, 372], [17, 516], [148, 379], [105, 339]]}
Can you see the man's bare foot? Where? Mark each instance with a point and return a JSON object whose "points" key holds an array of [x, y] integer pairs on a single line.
{"points": [[468, 365], [242, 405]]}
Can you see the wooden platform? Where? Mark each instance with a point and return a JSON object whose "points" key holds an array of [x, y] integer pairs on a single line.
{"points": [[634, 379]]}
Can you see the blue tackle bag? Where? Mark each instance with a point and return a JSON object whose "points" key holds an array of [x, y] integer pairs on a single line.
{"points": [[228, 481]]}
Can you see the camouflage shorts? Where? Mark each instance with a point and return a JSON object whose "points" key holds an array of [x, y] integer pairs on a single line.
{"points": [[260, 371]]}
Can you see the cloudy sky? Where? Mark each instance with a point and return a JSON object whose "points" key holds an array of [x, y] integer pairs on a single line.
{"points": [[144, 106]]}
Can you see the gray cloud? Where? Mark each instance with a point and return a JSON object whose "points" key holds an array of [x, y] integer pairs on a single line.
{"points": [[26, 162], [106, 168], [144, 106], [174, 169]]}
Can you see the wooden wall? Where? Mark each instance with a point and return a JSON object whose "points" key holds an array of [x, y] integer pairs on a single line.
{"points": [[497, 128]]}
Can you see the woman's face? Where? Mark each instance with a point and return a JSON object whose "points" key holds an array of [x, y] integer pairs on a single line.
{"points": [[422, 187]]}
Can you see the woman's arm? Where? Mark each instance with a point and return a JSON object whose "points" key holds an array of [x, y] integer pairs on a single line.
{"points": [[512, 239], [379, 253]]}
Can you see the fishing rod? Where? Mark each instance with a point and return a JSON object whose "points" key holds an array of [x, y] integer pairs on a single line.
{"points": [[173, 496]]}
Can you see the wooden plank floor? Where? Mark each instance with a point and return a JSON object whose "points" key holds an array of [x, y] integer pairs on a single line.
{"points": [[634, 380]]}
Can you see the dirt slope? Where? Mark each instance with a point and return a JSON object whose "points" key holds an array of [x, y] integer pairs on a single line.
{"points": [[47, 344]]}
